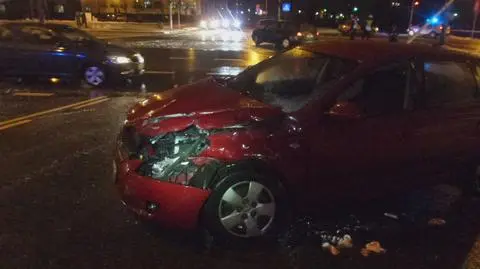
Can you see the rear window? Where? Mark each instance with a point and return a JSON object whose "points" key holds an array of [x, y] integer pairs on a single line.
{"points": [[448, 83], [265, 23]]}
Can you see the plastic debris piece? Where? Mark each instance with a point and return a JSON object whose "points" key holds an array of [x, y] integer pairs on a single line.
{"points": [[364, 252], [390, 215], [436, 222], [330, 248], [334, 251], [345, 242], [372, 247]]}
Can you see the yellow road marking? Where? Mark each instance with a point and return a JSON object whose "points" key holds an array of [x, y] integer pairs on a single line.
{"points": [[3, 127], [41, 113], [35, 94], [92, 103]]}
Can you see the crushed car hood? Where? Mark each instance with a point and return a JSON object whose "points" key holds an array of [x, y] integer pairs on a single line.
{"points": [[206, 104]]}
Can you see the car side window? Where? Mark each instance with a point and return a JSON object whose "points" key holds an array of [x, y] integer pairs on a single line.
{"points": [[38, 35], [272, 26], [381, 92], [448, 83]]}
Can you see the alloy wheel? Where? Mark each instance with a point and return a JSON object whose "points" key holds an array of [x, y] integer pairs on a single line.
{"points": [[94, 75], [247, 209]]}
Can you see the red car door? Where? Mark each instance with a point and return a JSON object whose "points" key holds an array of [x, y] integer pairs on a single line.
{"points": [[367, 156], [446, 123]]}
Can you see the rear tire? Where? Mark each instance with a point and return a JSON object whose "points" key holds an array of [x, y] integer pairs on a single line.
{"points": [[244, 206]]}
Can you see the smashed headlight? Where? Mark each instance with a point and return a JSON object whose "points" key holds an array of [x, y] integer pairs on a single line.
{"points": [[169, 157]]}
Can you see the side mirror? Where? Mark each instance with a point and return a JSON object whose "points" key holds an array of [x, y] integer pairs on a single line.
{"points": [[345, 110]]}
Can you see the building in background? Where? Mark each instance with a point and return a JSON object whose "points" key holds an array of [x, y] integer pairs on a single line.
{"points": [[54, 9], [189, 7]]}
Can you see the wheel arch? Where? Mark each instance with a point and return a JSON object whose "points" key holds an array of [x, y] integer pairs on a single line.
{"points": [[255, 166]]}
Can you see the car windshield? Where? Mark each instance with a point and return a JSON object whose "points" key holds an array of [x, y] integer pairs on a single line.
{"points": [[289, 81], [76, 35]]}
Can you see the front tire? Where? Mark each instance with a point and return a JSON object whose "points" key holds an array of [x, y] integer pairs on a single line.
{"points": [[285, 43], [256, 40], [245, 205], [95, 75]]}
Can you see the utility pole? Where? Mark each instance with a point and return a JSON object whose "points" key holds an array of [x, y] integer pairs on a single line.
{"points": [[179, 7], [279, 9], [41, 10], [476, 9], [30, 6], [412, 8], [171, 15]]}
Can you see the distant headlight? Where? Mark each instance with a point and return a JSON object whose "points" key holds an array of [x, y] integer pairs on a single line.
{"points": [[225, 23], [119, 59], [214, 24], [237, 24]]}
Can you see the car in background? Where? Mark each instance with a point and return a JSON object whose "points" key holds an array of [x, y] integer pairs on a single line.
{"points": [[56, 51], [226, 21], [428, 30], [329, 123], [282, 33]]}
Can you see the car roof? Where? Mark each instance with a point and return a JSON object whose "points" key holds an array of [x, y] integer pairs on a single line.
{"points": [[378, 51]]}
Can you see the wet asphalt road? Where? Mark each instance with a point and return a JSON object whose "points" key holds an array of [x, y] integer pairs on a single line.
{"points": [[59, 208]]}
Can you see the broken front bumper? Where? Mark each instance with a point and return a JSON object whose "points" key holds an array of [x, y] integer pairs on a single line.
{"points": [[170, 204]]}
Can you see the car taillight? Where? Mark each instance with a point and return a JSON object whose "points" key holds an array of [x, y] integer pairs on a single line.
{"points": [[318, 33]]}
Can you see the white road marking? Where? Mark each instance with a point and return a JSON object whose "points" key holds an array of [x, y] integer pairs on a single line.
{"points": [[159, 72], [229, 59], [180, 58]]}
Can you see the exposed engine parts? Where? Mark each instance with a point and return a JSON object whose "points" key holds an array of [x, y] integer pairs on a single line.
{"points": [[173, 157]]}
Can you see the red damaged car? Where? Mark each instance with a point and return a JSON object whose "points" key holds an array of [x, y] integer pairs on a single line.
{"points": [[307, 129]]}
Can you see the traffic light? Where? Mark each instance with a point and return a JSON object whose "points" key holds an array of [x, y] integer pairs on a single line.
{"points": [[416, 3], [355, 9]]}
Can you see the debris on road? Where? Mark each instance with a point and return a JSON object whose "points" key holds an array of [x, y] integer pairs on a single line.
{"points": [[372, 247], [436, 222], [390, 215], [332, 249]]}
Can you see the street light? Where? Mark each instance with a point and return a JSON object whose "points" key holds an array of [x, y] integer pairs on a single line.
{"points": [[412, 8]]}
